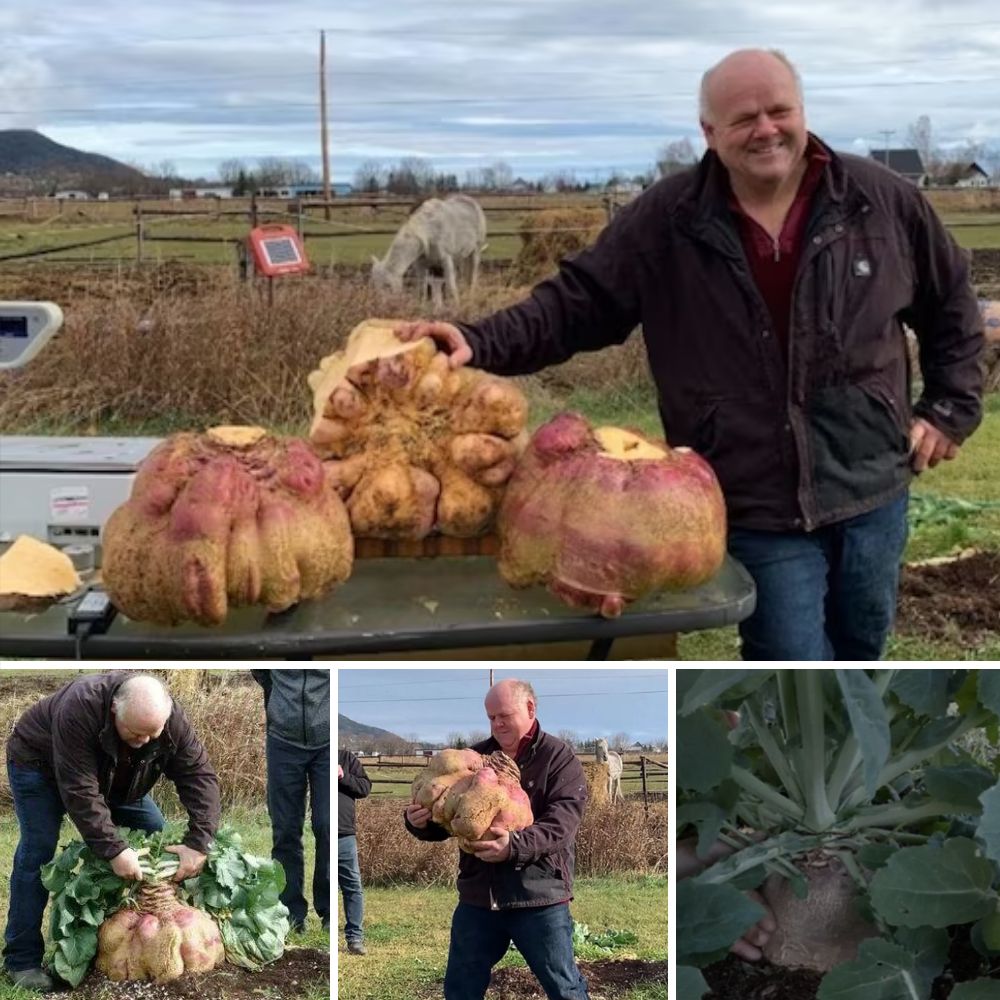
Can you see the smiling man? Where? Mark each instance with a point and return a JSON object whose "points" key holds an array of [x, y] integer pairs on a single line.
{"points": [[517, 887], [94, 749], [772, 282]]}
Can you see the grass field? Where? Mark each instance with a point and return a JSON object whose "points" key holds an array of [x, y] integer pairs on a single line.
{"points": [[407, 934]]}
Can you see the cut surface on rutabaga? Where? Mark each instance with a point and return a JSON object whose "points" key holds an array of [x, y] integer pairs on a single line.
{"points": [[413, 445], [33, 574]]}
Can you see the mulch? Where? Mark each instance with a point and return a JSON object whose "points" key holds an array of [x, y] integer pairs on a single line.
{"points": [[607, 979], [288, 978]]}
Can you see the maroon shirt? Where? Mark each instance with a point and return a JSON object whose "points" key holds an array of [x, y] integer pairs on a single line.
{"points": [[526, 739], [774, 264]]}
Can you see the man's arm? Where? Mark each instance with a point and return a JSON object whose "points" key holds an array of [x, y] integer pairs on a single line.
{"points": [[556, 825], [428, 830], [946, 319], [355, 781], [197, 784], [263, 678]]}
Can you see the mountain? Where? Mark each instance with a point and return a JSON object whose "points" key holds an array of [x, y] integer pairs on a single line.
{"points": [[31, 154], [349, 728]]}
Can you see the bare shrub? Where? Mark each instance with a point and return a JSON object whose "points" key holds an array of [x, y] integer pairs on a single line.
{"points": [[611, 840], [550, 235]]}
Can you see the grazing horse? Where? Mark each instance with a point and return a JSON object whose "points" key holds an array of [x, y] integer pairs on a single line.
{"points": [[614, 762]]}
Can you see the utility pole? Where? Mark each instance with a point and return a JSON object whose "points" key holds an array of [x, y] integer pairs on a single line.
{"points": [[887, 132], [324, 137], [491, 677]]}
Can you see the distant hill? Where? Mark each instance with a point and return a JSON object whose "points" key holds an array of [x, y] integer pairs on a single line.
{"points": [[30, 154], [349, 728]]}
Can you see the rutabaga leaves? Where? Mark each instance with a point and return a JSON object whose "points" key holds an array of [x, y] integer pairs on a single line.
{"points": [[989, 824], [925, 691], [882, 971], [704, 755], [989, 690], [981, 989], [712, 684], [712, 918], [934, 886], [691, 983], [866, 711], [960, 785], [928, 946], [707, 818]]}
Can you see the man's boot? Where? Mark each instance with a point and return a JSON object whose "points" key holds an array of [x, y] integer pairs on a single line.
{"points": [[357, 948], [33, 979]]}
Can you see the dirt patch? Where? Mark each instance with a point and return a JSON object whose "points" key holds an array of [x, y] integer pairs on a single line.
{"points": [[947, 600], [986, 272], [607, 979], [286, 979]]}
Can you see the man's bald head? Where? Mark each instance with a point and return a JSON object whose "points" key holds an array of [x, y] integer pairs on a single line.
{"points": [[141, 707], [735, 68], [510, 706]]}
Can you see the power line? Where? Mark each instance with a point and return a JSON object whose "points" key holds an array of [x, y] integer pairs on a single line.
{"points": [[596, 674], [579, 694]]}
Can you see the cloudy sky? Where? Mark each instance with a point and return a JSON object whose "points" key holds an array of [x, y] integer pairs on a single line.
{"points": [[431, 703], [543, 85]]}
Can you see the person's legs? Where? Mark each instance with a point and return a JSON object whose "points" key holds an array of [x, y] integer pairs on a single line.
{"points": [[544, 936], [286, 802], [864, 582], [790, 570], [479, 939], [143, 814], [349, 880], [319, 797], [39, 812]]}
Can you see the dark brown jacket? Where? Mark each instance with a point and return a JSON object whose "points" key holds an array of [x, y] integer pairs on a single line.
{"points": [[71, 737], [795, 445], [540, 869]]}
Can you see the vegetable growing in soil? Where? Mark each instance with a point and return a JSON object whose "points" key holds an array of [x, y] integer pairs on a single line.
{"points": [[604, 516], [846, 797]]}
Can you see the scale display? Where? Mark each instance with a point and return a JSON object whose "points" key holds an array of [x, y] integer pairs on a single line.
{"points": [[277, 250], [25, 328]]}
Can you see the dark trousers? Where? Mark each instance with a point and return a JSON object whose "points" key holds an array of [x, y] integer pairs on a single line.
{"points": [[40, 811], [291, 773], [828, 594], [542, 934], [349, 880]]}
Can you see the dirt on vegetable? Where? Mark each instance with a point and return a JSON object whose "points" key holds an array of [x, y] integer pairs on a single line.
{"points": [[288, 978], [607, 979], [961, 597]]}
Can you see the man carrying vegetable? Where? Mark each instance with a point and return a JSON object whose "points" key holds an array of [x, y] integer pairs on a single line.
{"points": [[772, 282], [517, 887], [353, 783], [297, 703], [94, 749]]}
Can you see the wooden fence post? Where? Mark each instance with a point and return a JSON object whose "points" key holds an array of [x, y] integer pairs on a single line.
{"points": [[138, 232], [645, 796]]}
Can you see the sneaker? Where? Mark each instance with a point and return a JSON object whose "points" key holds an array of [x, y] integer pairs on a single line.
{"points": [[357, 948], [33, 979]]}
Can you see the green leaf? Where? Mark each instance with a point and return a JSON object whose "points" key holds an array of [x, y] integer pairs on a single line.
{"points": [[989, 824], [961, 784], [712, 684], [929, 947], [704, 755], [691, 983], [711, 917], [882, 971], [866, 711], [874, 856], [925, 691], [707, 818], [989, 689], [934, 886], [989, 928], [979, 989]]}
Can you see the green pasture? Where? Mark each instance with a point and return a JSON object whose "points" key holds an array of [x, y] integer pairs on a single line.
{"points": [[407, 933], [255, 829]]}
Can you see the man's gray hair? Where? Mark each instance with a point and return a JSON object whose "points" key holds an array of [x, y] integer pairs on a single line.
{"points": [[524, 692], [704, 107], [144, 688]]}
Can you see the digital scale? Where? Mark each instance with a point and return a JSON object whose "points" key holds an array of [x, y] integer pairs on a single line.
{"points": [[60, 490]]}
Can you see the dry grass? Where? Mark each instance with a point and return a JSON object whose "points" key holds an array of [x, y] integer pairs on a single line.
{"points": [[226, 711], [611, 840], [548, 236]]}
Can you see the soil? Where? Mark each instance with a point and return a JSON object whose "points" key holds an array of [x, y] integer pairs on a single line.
{"points": [[951, 600], [286, 979], [986, 272], [607, 979]]}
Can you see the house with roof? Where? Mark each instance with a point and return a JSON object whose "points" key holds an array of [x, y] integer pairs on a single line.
{"points": [[905, 162], [972, 175]]}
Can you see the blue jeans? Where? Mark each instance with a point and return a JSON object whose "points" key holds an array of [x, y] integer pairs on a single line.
{"points": [[542, 934], [39, 811], [349, 880], [828, 594], [291, 772]]}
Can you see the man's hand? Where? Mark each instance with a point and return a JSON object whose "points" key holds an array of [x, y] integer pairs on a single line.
{"points": [[749, 946], [417, 815], [492, 850], [928, 445], [126, 865], [340, 772], [191, 862], [448, 336]]}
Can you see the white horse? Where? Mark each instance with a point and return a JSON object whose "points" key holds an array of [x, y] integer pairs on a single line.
{"points": [[442, 237], [614, 762]]}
